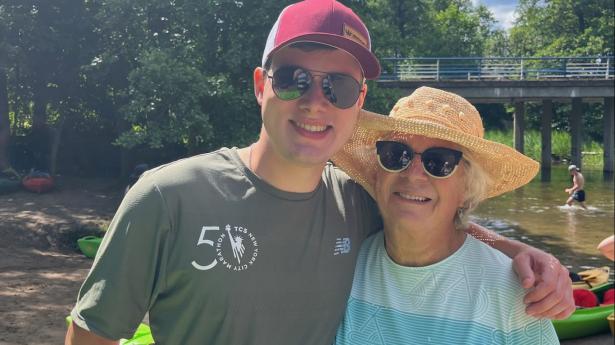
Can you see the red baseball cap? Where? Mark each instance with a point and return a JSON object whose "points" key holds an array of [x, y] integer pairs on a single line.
{"points": [[327, 22]]}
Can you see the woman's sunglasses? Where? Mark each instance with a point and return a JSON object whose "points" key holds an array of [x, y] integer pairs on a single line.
{"points": [[438, 162], [292, 82]]}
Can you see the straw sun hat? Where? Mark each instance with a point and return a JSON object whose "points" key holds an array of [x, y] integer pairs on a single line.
{"points": [[436, 114]]}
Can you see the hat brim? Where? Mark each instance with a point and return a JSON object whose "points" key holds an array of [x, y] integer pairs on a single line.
{"points": [[368, 61], [507, 168]]}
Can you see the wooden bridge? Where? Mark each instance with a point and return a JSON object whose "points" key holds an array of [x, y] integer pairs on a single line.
{"points": [[519, 80]]}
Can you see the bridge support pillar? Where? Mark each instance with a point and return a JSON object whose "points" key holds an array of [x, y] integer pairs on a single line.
{"points": [[609, 114], [575, 132], [519, 125], [545, 138]]}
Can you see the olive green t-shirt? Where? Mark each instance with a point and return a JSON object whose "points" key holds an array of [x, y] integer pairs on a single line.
{"points": [[218, 256]]}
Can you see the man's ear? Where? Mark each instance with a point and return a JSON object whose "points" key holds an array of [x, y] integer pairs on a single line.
{"points": [[259, 84]]}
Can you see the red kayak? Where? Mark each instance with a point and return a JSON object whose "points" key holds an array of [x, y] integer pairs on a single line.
{"points": [[38, 184]]}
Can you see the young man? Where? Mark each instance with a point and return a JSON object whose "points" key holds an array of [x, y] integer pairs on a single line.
{"points": [[576, 192], [258, 245]]}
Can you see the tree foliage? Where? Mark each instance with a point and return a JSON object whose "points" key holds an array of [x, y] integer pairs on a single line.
{"points": [[563, 28], [152, 80]]}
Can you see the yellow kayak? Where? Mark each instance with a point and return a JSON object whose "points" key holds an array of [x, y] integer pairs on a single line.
{"points": [[592, 278]]}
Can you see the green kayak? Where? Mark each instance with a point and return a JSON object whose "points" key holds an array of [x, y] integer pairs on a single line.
{"points": [[587, 321], [9, 185], [143, 335], [89, 245]]}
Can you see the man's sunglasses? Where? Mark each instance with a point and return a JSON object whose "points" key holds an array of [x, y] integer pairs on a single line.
{"points": [[438, 162], [292, 82]]}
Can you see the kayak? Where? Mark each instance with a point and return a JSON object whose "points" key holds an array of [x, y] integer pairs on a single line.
{"points": [[586, 321], [142, 336], [89, 245], [38, 184], [8, 185], [592, 278]]}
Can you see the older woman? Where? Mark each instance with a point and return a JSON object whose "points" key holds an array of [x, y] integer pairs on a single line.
{"points": [[423, 280]]}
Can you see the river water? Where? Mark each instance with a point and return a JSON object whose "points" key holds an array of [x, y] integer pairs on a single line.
{"points": [[535, 214]]}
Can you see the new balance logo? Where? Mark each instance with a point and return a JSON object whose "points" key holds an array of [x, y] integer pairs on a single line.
{"points": [[342, 246]]}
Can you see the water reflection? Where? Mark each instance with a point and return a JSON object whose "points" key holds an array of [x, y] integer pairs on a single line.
{"points": [[537, 214]]}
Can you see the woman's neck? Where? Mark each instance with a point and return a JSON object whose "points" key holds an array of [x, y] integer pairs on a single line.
{"points": [[422, 247]]}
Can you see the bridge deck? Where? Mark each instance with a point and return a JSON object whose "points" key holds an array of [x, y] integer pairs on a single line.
{"points": [[497, 68], [490, 91]]}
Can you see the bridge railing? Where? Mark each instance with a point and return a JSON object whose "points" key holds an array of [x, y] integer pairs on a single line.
{"points": [[498, 68]]}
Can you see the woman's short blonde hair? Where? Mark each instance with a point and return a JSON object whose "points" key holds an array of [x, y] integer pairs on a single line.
{"points": [[476, 187]]}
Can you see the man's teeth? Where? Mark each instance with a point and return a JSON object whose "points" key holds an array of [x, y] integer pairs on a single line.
{"points": [[412, 197], [311, 128]]}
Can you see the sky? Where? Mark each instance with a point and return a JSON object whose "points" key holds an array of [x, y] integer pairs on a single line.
{"points": [[503, 11]]}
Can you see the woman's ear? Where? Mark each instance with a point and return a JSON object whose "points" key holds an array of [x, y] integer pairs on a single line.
{"points": [[363, 95], [259, 84]]}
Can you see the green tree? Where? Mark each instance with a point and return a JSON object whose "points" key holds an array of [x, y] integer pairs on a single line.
{"points": [[207, 47], [44, 46], [167, 99], [174, 77], [423, 28], [5, 129], [563, 28]]}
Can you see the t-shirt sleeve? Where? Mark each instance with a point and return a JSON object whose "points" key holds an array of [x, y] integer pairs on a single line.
{"points": [[129, 268]]}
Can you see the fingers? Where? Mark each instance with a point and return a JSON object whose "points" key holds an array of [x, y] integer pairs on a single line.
{"points": [[565, 314], [541, 295], [550, 291], [550, 308], [557, 303], [553, 276], [522, 264], [547, 307]]}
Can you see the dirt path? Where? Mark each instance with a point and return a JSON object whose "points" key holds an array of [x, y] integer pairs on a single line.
{"points": [[40, 269]]}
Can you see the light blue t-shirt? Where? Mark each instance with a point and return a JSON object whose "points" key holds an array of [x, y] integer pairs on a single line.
{"points": [[471, 297]]}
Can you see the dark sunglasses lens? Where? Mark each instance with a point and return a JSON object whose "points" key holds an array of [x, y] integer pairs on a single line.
{"points": [[341, 90], [393, 156], [440, 162], [290, 82]]}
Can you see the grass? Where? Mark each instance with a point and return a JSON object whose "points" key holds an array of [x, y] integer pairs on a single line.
{"points": [[560, 146]]}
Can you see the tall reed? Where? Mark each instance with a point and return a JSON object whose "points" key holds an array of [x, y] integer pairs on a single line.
{"points": [[592, 151]]}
